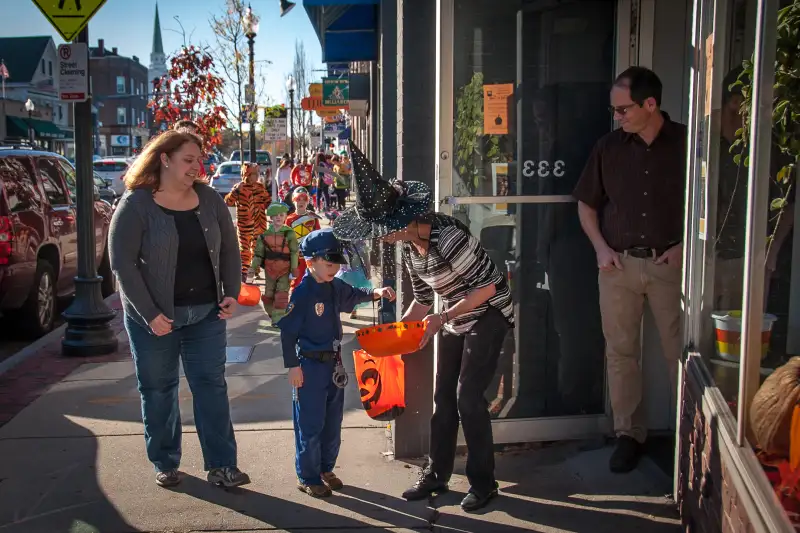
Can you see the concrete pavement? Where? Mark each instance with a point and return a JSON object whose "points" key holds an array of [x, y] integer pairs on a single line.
{"points": [[74, 461]]}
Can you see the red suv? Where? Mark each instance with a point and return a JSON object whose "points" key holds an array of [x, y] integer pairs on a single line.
{"points": [[39, 238]]}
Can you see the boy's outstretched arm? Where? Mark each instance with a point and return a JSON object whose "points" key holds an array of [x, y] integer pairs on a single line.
{"points": [[294, 250]]}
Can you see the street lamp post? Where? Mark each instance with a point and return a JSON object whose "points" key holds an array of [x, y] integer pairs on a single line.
{"points": [[290, 86], [29, 107], [250, 30], [88, 317]]}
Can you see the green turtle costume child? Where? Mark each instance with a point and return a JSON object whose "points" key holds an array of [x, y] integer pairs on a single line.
{"points": [[277, 253]]}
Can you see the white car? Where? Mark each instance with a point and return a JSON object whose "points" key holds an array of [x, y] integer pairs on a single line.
{"points": [[112, 170], [227, 175]]}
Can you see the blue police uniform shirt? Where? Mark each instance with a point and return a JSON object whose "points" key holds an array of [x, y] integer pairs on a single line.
{"points": [[312, 321]]}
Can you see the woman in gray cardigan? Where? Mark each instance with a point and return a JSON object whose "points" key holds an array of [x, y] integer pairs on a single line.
{"points": [[174, 251]]}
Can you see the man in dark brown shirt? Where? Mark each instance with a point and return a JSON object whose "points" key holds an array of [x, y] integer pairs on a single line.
{"points": [[630, 202]]}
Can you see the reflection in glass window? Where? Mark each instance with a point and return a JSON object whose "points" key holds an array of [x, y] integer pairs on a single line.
{"points": [[16, 175], [69, 178], [50, 176]]}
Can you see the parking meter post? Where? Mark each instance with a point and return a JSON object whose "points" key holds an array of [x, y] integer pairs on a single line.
{"points": [[88, 332]]}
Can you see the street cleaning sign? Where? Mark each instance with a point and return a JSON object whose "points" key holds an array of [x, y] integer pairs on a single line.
{"points": [[69, 17], [335, 92], [73, 79]]}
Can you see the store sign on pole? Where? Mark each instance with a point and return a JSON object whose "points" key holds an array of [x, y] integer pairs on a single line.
{"points": [[335, 91], [73, 82], [68, 17], [315, 90], [275, 129]]}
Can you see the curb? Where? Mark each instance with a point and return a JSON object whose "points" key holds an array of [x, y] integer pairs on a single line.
{"points": [[42, 342]]}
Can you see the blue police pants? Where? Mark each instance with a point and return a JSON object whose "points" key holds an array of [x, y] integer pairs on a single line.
{"points": [[198, 338], [318, 409]]}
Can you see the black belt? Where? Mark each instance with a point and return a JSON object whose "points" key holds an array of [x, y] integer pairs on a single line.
{"points": [[322, 357], [644, 252]]}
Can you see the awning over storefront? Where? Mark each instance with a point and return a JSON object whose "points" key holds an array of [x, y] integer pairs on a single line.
{"points": [[347, 29], [18, 127]]}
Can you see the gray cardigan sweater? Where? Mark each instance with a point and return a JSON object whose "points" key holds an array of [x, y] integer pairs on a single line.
{"points": [[143, 249]]}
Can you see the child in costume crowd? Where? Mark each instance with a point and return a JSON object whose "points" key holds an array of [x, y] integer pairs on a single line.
{"points": [[250, 198], [277, 253], [311, 338], [303, 222]]}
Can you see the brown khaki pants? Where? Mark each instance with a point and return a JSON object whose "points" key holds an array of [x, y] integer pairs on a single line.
{"points": [[622, 297]]}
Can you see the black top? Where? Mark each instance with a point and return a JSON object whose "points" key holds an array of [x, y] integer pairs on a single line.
{"points": [[638, 189], [194, 275]]}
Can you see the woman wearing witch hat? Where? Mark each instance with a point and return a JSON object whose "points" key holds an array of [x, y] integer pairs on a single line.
{"points": [[442, 258]]}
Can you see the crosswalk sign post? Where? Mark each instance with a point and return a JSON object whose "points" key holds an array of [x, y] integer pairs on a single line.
{"points": [[69, 17]]}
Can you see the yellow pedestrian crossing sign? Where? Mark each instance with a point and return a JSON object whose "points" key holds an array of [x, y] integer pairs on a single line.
{"points": [[69, 17]]}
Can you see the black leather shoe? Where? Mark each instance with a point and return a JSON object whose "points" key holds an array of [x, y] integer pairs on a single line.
{"points": [[426, 485], [474, 501], [626, 455]]}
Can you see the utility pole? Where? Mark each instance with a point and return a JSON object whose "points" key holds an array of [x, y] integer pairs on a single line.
{"points": [[88, 332]]}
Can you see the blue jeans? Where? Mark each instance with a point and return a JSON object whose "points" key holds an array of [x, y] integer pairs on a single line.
{"points": [[198, 337], [318, 410]]}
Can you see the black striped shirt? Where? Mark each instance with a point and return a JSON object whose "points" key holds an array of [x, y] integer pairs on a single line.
{"points": [[455, 265]]}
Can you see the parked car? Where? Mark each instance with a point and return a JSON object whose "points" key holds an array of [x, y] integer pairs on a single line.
{"points": [[39, 237], [113, 168], [104, 189], [264, 160], [210, 164], [228, 174]]}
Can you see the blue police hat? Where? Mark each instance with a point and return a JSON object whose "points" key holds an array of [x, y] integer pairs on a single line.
{"points": [[322, 243]]}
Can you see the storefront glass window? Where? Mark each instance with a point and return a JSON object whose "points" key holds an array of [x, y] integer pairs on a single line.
{"points": [[531, 82], [724, 42]]}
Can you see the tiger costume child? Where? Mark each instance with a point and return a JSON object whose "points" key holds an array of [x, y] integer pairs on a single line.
{"points": [[250, 198]]}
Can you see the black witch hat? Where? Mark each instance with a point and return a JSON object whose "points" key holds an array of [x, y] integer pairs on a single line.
{"points": [[382, 207]]}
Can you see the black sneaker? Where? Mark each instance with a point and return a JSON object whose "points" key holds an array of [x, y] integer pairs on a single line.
{"points": [[626, 455], [474, 501], [425, 486], [167, 478], [228, 476]]}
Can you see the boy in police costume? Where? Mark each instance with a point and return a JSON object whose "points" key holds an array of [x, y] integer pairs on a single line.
{"points": [[311, 337]]}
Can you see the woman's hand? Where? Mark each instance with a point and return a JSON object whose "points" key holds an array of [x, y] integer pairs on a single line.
{"points": [[433, 323], [226, 308], [296, 377], [161, 325]]}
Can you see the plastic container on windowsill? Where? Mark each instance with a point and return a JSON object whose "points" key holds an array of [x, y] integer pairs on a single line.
{"points": [[728, 334]]}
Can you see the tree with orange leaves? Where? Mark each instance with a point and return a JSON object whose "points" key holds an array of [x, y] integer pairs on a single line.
{"points": [[191, 90]]}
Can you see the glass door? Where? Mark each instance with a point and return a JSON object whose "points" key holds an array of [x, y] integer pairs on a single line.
{"points": [[523, 89]]}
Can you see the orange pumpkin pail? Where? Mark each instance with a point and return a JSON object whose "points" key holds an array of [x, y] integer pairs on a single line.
{"points": [[381, 383], [390, 339], [249, 295]]}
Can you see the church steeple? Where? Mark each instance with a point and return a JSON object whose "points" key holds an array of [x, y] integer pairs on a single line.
{"points": [[158, 60], [158, 46]]}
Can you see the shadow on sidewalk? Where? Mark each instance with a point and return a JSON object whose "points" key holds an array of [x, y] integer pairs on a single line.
{"points": [[278, 513], [558, 511], [51, 486]]}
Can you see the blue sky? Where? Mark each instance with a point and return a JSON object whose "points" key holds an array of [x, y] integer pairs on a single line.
{"points": [[128, 25]]}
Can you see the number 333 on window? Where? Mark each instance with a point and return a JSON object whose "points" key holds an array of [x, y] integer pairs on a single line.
{"points": [[543, 169]]}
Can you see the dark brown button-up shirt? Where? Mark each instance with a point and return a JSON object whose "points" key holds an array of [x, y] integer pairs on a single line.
{"points": [[638, 190]]}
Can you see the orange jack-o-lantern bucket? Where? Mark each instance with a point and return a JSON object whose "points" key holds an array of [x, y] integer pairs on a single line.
{"points": [[381, 385], [396, 338], [249, 295]]}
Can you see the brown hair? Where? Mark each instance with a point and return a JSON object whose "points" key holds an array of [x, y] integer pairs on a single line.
{"points": [[146, 169], [185, 124]]}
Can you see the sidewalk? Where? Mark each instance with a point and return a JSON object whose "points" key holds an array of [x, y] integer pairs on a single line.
{"points": [[74, 461]]}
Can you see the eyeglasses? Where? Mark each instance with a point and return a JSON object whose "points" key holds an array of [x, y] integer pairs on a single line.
{"points": [[621, 109]]}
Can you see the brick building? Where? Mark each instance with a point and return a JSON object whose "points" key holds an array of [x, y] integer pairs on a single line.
{"points": [[430, 65], [120, 87]]}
